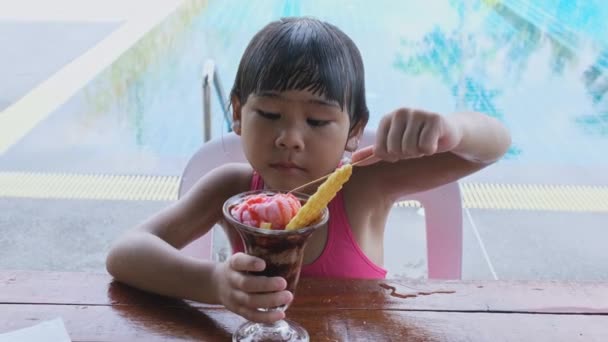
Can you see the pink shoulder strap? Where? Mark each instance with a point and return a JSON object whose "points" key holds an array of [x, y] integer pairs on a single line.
{"points": [[257, 183]]}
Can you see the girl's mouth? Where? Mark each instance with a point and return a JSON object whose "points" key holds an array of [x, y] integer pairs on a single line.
{"points": [[286, 167]]}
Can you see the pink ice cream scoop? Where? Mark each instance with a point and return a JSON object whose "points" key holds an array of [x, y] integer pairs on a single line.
{"points": [[277, 209]]}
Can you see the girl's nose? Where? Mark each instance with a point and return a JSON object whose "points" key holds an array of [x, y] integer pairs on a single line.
{"points": [[290, 139]]}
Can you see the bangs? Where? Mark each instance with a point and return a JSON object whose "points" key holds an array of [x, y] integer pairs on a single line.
{"points": [[305, 55], [301, 53]]}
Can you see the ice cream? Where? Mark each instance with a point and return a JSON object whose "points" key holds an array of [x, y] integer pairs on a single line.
{"points": [[263, 210], [281, 249]]}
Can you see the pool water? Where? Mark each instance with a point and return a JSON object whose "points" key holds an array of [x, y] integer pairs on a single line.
{"points": [[538, 66], [542, 75]]}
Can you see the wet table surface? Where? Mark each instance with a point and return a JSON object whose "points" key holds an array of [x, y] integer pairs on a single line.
{"points": [[95, 308]]}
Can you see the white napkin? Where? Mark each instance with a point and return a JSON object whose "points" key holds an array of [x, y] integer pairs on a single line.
{"points": [[47, 331]]}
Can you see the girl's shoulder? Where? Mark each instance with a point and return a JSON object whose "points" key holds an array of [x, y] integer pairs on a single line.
{"points": [[227, 180], [239, 172], [235, 175]]}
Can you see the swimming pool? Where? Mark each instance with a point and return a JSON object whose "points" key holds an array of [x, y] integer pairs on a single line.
{"points": [[539, 66]]}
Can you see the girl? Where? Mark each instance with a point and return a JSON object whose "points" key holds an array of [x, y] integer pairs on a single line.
{"points": [[298, 104]]}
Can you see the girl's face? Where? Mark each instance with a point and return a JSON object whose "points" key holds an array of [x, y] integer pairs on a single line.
{"points": [[291, 137]]}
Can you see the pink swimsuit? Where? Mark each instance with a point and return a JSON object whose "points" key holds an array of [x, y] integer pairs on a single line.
{"points": [[341, 257]]}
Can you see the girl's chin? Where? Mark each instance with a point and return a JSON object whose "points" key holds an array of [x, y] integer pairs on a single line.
{"points": [[281, 186], [284, 183]]}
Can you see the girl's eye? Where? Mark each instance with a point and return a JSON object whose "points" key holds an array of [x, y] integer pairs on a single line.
{"points": [[317, 123], [270, 116]]}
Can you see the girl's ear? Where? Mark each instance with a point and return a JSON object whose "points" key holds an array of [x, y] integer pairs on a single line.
{"points": [[236, 115], [236, 127], [352, 144]]}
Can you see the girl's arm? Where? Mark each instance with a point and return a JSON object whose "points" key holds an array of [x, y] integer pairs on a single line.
{"points": [[419, 150], [148, 256], [483, 139]]}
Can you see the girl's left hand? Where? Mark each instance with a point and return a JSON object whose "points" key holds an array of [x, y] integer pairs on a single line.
{"points": [[409, 133]]}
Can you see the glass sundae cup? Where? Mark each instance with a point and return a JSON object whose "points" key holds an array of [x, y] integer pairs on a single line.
{"points": [[283, 252]]}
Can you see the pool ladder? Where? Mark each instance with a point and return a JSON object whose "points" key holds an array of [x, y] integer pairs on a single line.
{"points": [[211, 78]]}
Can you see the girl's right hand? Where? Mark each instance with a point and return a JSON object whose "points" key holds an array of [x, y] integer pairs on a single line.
{"points": [[243, 293]]}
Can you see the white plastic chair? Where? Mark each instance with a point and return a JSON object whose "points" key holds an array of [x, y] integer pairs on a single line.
{"points": [[442, 207]]}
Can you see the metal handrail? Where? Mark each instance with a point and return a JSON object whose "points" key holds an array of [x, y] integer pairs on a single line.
{"points": [[211, 77]]}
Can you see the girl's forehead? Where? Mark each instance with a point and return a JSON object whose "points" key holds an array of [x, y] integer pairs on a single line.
{"points": [[302, 96]]}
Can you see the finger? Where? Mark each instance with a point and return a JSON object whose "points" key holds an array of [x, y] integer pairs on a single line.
{"points": [[251, 283], [381, 137], [363, 154], [399, 125], [255, 315], [449, 135], [262, 300], [243, 262], [409, 144], [429, 137]]}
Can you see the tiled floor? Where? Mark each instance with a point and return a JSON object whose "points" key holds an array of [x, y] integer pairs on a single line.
{"points": [[77, 10], [518, 245], [33, 51], [38, 38], [64, 235], [73, 235], [545, 245]]}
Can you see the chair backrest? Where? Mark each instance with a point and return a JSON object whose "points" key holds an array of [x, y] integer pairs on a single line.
{"points": [[212, 154], [442, 207]]}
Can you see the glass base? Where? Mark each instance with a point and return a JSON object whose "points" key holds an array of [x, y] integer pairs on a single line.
{"points": [[280, 331]]}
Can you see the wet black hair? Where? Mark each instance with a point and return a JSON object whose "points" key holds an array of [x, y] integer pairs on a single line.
{"points": [[303, 53]]}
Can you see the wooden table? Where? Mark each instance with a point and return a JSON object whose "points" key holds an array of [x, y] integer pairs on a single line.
{"points": [[94, 308]]}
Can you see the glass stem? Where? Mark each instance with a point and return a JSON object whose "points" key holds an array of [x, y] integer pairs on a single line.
{"points": [[272, 326]]}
